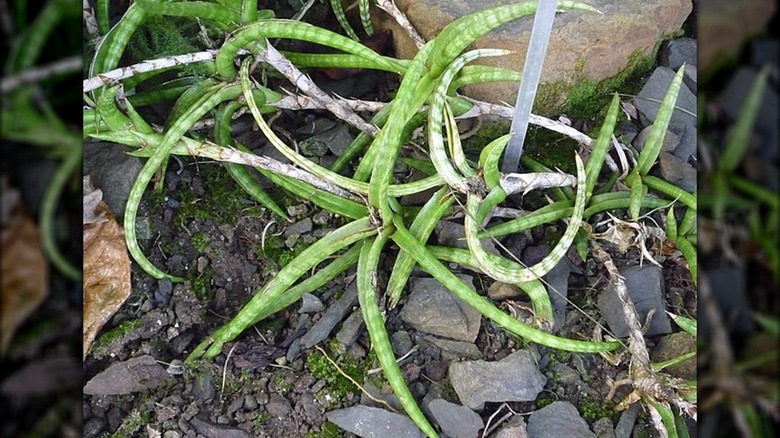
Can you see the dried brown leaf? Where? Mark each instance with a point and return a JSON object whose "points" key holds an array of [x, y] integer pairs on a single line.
{"points": [[106, 265], [23, 269]]}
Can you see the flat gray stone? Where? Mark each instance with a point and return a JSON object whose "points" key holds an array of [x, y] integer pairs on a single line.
{"points": [[677, 171], [669, 144], [43, 377], [432, 308], [303, 226], [675, 53], [729, 288], [627, 420], [557, 284], [455, 349], [604, 428], [646, 290], [351, 328], [311, 304], [455, 421], [765, 128], [211, 430], [683, 122], [368, 422], [558, 419], [453, 234], [133, 375], [334, 315], [335, 140], [514, 428], [112, 171], [514, 378]]}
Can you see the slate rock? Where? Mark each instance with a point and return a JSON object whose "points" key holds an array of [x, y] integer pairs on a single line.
{"points": [[138, 374], [455, 349], [683, 122], [729, 288], [514, 378], [401, 342], [765, 128], [368, 422], [764, 51], [502, 291], [211, 430], [672, 346], [646, 290], [669, 144], [334, 315], [335, 140], [455, 421], [675, 53], [112, 171], [627, 420], [558, 419], [590, 45], [278, 406], [351, 328], [303, 226], [432, 308], [43, 376], [604, 428], [514, 428], [677, 171], [557, 284], [310, 304], [453, 234]]}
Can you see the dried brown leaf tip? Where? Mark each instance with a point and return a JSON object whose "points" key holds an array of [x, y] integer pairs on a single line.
{"points": [[24, 272], [106, 264]]}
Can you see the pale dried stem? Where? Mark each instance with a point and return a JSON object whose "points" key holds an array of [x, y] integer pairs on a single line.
{"points": [[636, 341], [146, 66], [39, 73], [219, 153], [647, 383], [275, 59], [400, 18], [90, 22]]}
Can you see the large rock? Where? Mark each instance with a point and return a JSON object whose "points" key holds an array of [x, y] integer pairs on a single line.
{"points": [[582, 45], [514, 378]]}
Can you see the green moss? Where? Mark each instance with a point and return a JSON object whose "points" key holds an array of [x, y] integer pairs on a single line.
{"points": [[117, 332], [223, 202], [592, 410], [338, 385], [201, 285], [200, 241], [276, 251], [132, 424], [551, 149], [545, 399]]}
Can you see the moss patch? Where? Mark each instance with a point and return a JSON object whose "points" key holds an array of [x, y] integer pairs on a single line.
{"points": [[338, 385], [117, 333]]}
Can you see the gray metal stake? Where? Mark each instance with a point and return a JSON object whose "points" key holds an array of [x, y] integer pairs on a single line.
{"points": [[537, 48]]}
